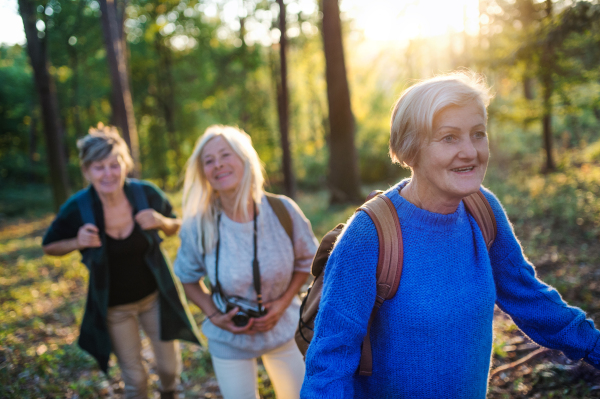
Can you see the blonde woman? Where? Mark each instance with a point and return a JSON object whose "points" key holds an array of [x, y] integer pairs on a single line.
{"points": [[114, 223], [232, 234]]}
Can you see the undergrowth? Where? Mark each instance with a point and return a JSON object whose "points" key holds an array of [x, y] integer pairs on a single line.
{"points": [[556, 217]]}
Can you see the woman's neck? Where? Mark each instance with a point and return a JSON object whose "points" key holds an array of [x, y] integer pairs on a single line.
{"points": [[237, 215], [422, 198], [113, 199]]}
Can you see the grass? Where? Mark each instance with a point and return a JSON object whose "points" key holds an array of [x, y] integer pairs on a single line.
{"points": [[555, 216]]}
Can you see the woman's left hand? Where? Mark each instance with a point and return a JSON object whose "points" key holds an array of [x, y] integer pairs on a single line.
{"points": [[149, 219], [275, 310]]}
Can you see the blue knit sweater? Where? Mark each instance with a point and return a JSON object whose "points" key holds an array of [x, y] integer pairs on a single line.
{"points": [[434, 338]]}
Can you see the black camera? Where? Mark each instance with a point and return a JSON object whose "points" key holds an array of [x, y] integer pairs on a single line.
{"points": [[246, 308]]}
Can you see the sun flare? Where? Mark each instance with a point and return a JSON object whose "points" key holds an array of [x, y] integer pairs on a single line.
{"points": [[392, 20]]}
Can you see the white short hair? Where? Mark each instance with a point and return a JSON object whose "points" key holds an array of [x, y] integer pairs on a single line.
{"points": [[412, 118]]}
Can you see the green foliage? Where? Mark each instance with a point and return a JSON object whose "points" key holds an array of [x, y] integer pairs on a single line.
{"points": [[19, 158]]}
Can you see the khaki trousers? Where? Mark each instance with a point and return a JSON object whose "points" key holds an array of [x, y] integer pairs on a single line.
{"points": [[238, 378], [124, 329]]}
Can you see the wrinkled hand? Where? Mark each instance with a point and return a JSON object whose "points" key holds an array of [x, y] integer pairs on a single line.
{"points": [[88, 237], [275, 310], [224, 321], [149, 219]]}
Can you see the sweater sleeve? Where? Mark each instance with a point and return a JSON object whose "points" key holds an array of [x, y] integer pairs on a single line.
{"points": [[305, 243], [189, 265], [348, 298], [537, 308]]}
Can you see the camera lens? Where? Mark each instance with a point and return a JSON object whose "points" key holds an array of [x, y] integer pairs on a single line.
{"points": [[240, 319]]}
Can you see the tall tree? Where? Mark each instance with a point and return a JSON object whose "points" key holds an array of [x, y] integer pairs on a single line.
{"points": [[166, 94], [344, 182], [547, 61], [37, 49], [283, 106], [116, 51]]}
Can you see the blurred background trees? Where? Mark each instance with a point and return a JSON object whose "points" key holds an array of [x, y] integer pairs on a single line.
{"points": [[313, 86], [192, 63]]}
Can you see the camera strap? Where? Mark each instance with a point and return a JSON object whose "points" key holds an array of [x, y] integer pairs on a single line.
{"points": [[255, 265]]}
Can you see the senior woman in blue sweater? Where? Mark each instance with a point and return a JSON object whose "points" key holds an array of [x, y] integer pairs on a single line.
{"points": [[433, 339]]}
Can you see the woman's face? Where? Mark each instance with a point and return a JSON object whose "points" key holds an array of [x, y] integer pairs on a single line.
{"points": [[107, 175], [222, 167], [452, 164]]}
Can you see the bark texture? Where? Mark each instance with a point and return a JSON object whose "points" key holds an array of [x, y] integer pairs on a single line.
{"points": [[44, 84], [344, 182], [123, 115], [283, 107]]}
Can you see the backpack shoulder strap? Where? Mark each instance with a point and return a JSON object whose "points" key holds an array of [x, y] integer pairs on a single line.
{"points": [[481, 210], [282, 214], [139, 196], [389, 267], [84, 203]]}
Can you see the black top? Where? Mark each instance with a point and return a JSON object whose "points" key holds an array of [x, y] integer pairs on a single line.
{"points": [[68, 221], [129, 278]]}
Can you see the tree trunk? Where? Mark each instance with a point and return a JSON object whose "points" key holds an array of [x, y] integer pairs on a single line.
{"points": [[74, 62], [547, 66], [112, 25], [244, 113], [344, 179], [49, 104], [283, 107], [166, 96]]}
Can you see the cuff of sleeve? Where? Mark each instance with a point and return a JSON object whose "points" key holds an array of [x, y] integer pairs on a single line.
{"points": [[302, 267], [593, 357]]}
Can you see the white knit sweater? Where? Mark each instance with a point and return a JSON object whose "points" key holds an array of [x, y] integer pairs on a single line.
{"points": [[278, 260]]}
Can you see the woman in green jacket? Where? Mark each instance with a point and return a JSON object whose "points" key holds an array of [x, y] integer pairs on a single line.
{"points": [[114, 224]]}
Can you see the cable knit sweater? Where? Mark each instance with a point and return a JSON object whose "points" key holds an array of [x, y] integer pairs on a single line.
{"points": [[434, 338]]}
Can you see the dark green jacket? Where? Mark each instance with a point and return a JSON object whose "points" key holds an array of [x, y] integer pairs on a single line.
{"points": [[176, 321]]}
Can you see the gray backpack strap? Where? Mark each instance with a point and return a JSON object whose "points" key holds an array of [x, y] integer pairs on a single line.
{"points": [[481, 210], [389, 267], [84, 203], [139, 196], [141, 203]]}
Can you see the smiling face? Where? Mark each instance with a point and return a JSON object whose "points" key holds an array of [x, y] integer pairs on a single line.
{"points": [[107, 175], [223, 168], [452, 164]]}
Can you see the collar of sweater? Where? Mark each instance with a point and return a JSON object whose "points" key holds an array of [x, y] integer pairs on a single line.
{"points": [[412, 215]]}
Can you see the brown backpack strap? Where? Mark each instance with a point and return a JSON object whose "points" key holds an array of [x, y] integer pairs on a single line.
{"points": [[282, 214], [389, 267], [481, 210]]}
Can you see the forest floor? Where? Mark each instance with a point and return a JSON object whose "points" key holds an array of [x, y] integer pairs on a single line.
{"points": [[42, 299]]}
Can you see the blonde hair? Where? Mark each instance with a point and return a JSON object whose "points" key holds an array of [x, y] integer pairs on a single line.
{"points": [[413, 114], [201, 201], [99, 143]]}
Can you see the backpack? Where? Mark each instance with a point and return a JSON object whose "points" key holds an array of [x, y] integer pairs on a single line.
{"points": [[383, 213]]}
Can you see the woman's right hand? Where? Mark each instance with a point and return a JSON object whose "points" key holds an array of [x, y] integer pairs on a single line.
{"points": [[225, 322], [88, 237]]}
